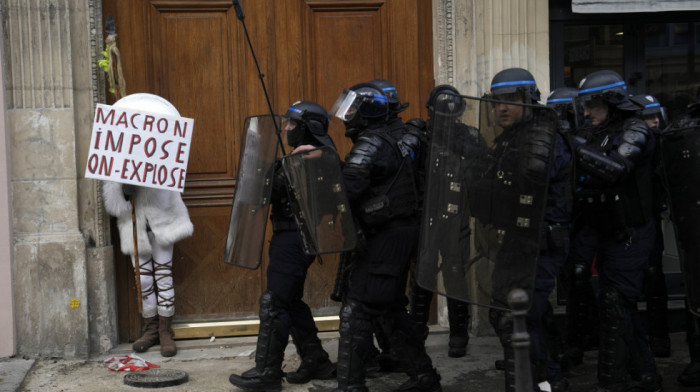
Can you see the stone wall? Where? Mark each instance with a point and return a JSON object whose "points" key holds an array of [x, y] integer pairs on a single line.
{"points": [[64, 302]]}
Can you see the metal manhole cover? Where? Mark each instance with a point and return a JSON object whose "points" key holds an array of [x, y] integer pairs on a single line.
{"points": [[156, 378]]}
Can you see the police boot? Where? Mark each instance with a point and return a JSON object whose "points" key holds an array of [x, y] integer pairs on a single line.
{"points": [[580, 304], [612, 353], [273, 337], [314, 365], [458, 315], [420, 306], [648, 382], [388, 360], [406, 338], [149, 337], [657, 312], [373, 366], [690, 377], [165, 334], [423, 382], [356, 329], [560, 385]]}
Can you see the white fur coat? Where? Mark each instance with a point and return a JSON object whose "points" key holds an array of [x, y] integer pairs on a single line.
{"points": [[164, 211]]}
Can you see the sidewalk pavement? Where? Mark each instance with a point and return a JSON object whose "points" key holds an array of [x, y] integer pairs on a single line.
{"points": [[209, 363]]}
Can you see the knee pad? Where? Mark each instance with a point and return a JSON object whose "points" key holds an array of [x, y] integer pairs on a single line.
{"points": [[502, 323], [581, 274], [614, 307], [354, 319], [270, 305], [655, 283]]}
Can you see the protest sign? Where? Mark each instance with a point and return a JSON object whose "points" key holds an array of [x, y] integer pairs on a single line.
{"points": [[140, 148]]}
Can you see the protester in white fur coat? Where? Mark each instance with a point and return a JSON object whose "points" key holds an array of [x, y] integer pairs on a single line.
{"points": [[163, 210], [161, 220]]}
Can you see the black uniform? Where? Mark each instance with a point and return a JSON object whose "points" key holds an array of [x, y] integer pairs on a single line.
{"points": [[615, 172], [690, 377], [282, 310], [380, 184], [421, 298]]}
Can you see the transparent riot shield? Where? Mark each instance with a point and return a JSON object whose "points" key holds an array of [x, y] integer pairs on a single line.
{"points": [[496, 183], [323, 215], [251, 199], [680, 154]]}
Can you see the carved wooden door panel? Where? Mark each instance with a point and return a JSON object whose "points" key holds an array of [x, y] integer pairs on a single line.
{"points": [[195, 54]]}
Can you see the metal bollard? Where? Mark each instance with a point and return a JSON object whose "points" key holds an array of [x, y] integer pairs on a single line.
{"points": [[518, 300]]}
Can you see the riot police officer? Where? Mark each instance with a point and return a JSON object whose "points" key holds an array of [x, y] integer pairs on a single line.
{"points": [[282, 310], [388, 360], [562, 101], [614, 170], [522, 144], [651, 111], [679, 151], [655, 291], [445, 99], [581, 313], [380, 185]]}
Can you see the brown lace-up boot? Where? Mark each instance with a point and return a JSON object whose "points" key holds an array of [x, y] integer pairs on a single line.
{"points": [[165, 332], [149, 337]]}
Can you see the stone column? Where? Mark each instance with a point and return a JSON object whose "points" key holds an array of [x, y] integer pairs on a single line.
{"points": [[49, 92], [8, 345], [89, 89], [473, 40]]}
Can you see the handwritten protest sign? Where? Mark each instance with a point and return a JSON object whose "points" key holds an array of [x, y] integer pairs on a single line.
{"points": [[139, 148]]}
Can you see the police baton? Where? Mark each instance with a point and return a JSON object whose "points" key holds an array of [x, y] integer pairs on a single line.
{"points": [[341, 276]]}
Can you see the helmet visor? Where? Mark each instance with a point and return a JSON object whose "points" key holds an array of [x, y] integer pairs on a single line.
{"points": [[345, 107]]}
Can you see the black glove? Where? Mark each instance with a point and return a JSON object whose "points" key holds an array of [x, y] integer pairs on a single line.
{"points": [[128, 189]]}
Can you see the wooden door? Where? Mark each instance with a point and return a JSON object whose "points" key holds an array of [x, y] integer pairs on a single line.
{"points": [[195, 54]]}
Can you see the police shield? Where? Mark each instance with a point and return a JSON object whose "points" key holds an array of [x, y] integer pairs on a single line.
{"points": [[680, 151], [251, 199], [321, 206], [495, 182]]}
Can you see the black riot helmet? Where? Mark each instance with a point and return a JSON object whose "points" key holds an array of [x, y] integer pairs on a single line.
{"points": [[445, 100], [607, 86], [515, 80], [395, 104], [360, 106], [563, 101], [649, 105], [306, 122]]}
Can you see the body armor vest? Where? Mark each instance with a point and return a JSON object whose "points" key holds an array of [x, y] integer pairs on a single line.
{"points": [[392, 196], [522, 153], [629, 202]]}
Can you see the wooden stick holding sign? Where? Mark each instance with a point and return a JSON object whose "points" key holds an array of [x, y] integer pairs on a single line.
{"points": [[137, 266]]}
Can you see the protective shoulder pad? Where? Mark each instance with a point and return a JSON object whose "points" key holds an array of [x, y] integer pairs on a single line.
{"points": [[635, 135], [364, 151]]}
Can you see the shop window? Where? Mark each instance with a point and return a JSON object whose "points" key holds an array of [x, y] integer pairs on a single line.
{"points": [[588, 48], [672, 61]]}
